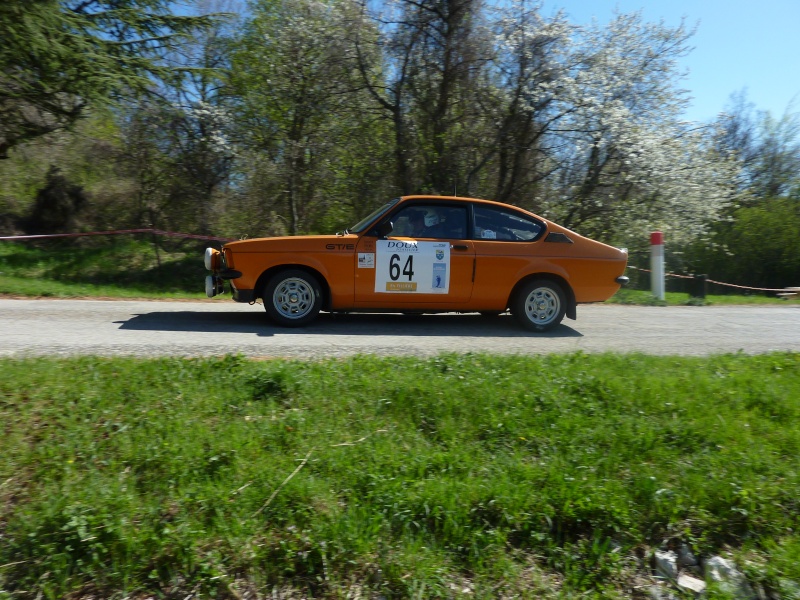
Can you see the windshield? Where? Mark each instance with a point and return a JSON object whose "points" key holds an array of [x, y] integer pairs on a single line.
{"points": [[364, 223]]}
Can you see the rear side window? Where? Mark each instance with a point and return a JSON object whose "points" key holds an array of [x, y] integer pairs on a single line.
{"points": [[505, 225]]}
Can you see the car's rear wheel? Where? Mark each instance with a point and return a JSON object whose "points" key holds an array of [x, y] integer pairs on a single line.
{"points": [[540, 305], [292, 298]]}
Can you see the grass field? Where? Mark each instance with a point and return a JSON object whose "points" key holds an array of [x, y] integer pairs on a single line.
{"points": [[460, 476], [646, 298], [115, 268]]}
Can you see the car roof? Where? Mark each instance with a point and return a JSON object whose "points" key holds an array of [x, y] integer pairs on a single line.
{"points": [[445, 198], [448, 199], [455, 199]]}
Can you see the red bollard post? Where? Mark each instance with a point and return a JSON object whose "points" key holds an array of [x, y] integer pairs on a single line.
{"points": [[657, 264]]}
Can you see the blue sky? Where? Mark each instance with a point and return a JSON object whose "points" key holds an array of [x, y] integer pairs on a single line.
{"points": [[738, 44]]}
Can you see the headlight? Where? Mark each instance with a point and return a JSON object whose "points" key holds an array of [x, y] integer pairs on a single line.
{"points": [[211, 259]]}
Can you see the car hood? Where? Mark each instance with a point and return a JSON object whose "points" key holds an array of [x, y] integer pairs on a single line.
{"points": [[290, 243]]}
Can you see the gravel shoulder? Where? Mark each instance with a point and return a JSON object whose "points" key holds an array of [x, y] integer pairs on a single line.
{"points": [[209, 328]]}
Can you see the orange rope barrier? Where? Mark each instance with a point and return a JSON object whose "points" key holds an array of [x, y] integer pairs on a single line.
{"points": [[115, 232], [732, 285]]}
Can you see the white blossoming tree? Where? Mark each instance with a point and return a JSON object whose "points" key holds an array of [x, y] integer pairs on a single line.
{"points": [[299, 110], [612, 156], [582, 124], [178, 141]]}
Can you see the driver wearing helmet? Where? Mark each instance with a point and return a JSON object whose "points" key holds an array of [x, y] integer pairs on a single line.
{"points": [[425, 223]]}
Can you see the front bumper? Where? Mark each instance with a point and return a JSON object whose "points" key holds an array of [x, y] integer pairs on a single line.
{"points": [[214, 261]]}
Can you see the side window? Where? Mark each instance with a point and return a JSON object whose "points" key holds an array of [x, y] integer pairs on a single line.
{"points": [[454, 222], [422, 221], [404, 222], [505, 225]]}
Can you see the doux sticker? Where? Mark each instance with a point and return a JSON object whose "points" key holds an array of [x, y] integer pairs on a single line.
{"points": [[412, 267]]}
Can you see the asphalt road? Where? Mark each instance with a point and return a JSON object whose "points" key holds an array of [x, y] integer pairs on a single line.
{"points": [[142, 328]]}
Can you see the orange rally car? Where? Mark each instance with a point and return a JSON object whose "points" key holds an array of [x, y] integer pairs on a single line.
{"points": [[424, 254]]}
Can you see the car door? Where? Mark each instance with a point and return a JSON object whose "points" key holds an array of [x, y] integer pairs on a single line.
{"points": [[426, 267], [506, 248]]}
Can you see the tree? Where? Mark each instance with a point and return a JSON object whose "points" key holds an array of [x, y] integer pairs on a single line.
{"points": [[582, 124], [525, 103], [194, 123], [292, 87], [759, 247], [757, 244], [286, 84], [767, 148], [432, 54], [179, 158], [447, 63], [622, 159], [58, 206], [60, 57], [90, 157]]}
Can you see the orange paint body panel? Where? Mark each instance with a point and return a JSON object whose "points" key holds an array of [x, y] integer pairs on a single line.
{"points": [[425, 253]]}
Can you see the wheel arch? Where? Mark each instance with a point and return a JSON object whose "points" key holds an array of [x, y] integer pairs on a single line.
{"points": [[571, 307], [267, 275]]}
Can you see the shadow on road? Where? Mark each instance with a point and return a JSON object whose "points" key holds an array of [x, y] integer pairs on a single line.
{"points": [[444, 325]]}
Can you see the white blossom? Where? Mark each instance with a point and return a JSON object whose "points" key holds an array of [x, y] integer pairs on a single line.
{"points": [[611, 100]]}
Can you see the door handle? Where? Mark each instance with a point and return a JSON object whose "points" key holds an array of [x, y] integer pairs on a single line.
{"points": [[460, 247]]}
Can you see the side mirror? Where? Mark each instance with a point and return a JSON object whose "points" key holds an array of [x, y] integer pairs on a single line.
{"points": [[384, 229]]}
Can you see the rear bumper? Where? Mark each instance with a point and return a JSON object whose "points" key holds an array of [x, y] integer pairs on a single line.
{"points": [[248, 296]]}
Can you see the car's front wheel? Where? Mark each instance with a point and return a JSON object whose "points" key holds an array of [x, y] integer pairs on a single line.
{"points": [[540, 305], [293, 298]]}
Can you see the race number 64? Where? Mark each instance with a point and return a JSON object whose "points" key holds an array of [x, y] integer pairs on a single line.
{"points": [[394, 267]]}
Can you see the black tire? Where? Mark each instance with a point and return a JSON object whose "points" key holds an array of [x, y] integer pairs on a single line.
{"points": [[539, 305], [292, 298]]}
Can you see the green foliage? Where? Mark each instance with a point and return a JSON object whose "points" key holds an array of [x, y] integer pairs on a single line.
{"points": [[646, 298], [759, 248], [516, 476], [60, 57], [316, 154], [115, 266], [302, 116], [88, 160]]}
